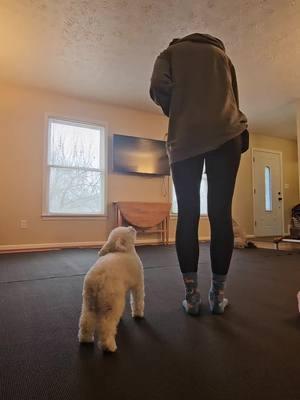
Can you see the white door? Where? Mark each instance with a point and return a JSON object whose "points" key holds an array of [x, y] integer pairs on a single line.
{"points": [[267, 189]]}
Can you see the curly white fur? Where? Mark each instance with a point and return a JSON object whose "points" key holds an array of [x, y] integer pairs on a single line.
{"points": [[117, 271], [240, 240]]}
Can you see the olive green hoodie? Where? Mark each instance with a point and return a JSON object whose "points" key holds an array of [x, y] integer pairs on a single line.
{"points": [[194, 82]]}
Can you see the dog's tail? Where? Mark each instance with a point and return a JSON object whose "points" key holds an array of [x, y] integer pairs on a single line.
{"points": [[92, 291], [100, 293]]}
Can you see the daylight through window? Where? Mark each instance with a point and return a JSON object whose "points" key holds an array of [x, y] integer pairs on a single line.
{"points": [[268, 189], [203, 197], [75, 168]]}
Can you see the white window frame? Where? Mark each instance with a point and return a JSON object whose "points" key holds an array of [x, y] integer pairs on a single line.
{"points": [[46, 166], [174, 214]]}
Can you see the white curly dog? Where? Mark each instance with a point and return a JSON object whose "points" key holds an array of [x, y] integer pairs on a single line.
{"points": [[117, 271]]}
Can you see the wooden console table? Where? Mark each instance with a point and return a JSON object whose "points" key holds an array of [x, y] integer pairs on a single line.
{"points": [[145, 217]]}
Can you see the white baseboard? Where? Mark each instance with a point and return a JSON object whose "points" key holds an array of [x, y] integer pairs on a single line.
{"points": [[18, 248], [15, 248], [47, 246], [204, 238], [253, 236]]}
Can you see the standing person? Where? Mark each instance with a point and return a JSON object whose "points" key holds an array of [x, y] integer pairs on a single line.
{"points": [[194, 82]]}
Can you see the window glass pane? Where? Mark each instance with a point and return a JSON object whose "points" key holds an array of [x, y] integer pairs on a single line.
{"points": [[74, 145], [174, 201], [268, 189], [203, 197], [76, 191]]}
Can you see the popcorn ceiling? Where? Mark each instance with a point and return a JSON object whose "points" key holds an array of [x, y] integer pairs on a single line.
{"points": [[105, 50]]}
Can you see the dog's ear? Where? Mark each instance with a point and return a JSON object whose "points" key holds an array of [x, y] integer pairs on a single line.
{"points": [[113, 246], [105, 249], [120, 245]]}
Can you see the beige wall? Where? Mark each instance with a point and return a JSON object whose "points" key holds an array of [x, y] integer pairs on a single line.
{"points": [[242, 209], [22, 132], [298, 139], [22, 121]]}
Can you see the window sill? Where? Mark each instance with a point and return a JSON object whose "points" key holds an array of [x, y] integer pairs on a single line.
{"points": [[51, 217]]}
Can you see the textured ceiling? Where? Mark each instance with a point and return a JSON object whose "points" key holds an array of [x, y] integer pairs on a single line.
{"points": [[105, 49]]}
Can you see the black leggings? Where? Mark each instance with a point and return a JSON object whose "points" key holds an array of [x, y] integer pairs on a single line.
{"points": [[221, 168]]}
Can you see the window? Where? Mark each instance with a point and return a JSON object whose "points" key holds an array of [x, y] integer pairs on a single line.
{"points": [[75, 168], [268, 189], [203, 197]]}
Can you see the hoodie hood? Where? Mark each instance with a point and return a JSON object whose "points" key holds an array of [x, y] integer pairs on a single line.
{"points": [[201, 38]]}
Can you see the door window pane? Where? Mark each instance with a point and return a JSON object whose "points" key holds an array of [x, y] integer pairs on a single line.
{"points": [[268, 189]]}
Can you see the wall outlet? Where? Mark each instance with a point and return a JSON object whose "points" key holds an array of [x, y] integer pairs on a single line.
{"points": [[286, 185], [23, 224]]}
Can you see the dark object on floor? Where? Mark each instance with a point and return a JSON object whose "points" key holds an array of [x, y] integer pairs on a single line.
{"points": [[250, 352], [295, 223], [250, 245], [294, 236]]}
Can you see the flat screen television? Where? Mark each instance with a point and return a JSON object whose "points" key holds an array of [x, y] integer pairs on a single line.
{"points": [[140, 156]]}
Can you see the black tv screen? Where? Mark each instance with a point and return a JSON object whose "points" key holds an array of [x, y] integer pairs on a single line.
{"points": [[140, 156]]}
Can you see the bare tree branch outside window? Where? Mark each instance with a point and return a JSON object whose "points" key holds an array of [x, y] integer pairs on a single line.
{"points": [[76, 180]]}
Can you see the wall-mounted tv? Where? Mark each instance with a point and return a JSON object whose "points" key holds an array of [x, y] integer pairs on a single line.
{"points": [[140, 156]]}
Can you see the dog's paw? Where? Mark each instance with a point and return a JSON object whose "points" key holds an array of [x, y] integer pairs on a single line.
{"points": [[239, 246], [109, 346], [138, 315], [83, 338]]}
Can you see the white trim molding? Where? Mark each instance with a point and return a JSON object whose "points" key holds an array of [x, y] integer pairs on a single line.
{"points": [[253, 149], [45, 167], [14, 248], [36, 247]]}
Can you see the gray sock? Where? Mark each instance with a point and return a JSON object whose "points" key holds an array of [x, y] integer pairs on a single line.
{"points": [[218, 282], [192, 294], [216, 298]]}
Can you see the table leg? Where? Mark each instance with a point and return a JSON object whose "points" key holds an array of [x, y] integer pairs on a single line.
{"points": [[167, 230], [119, 218]]}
